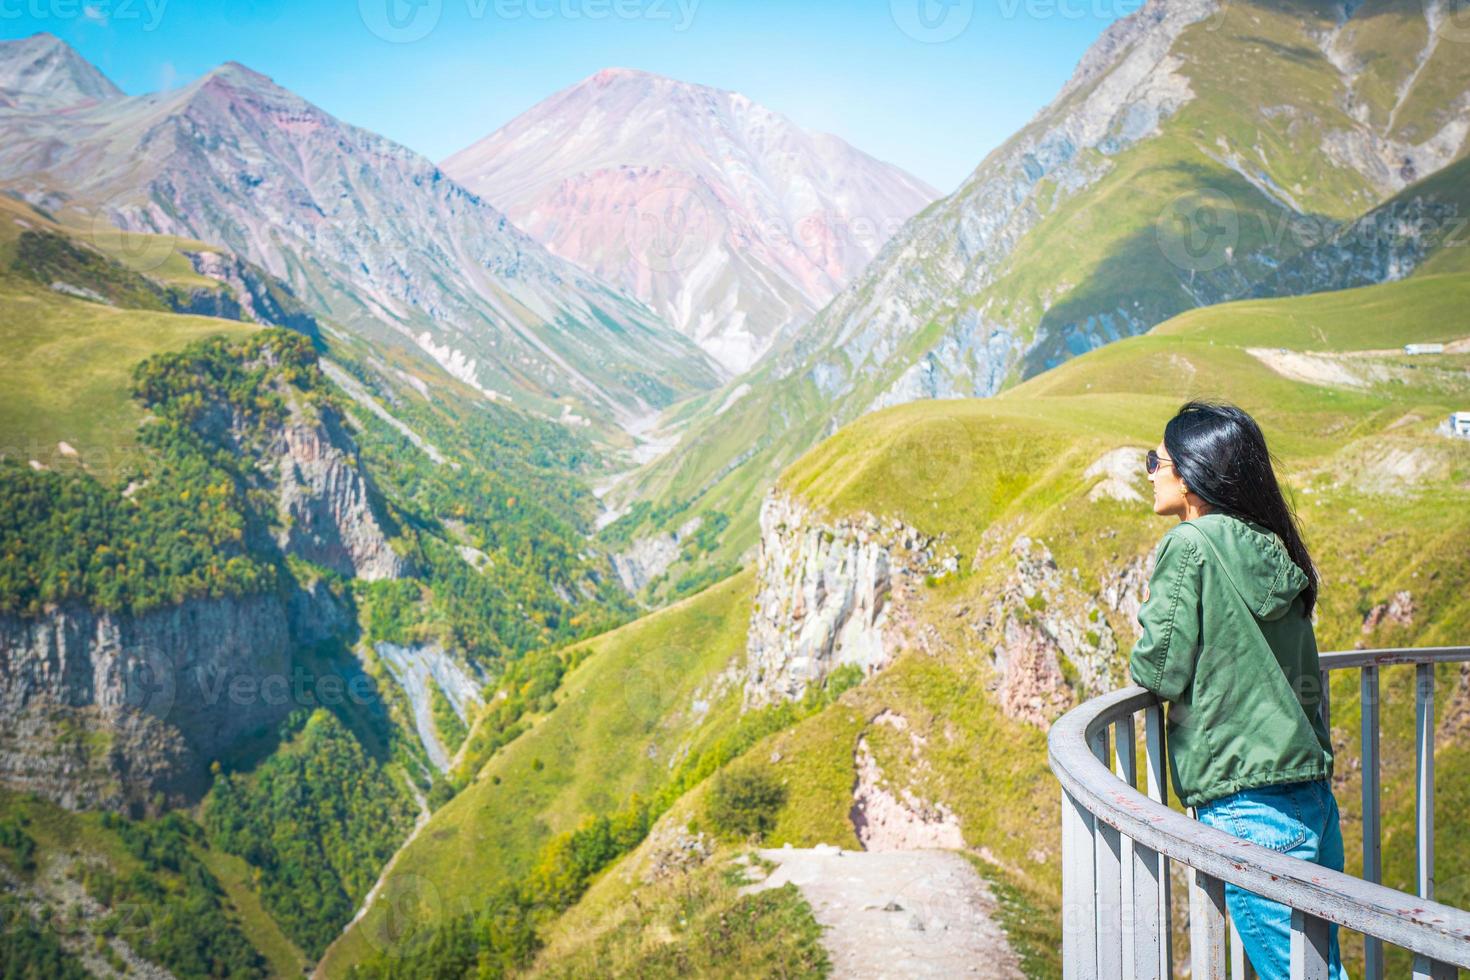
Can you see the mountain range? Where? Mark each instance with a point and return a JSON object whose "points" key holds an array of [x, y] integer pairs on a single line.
{"points": [[724, 216], [364, 230]]}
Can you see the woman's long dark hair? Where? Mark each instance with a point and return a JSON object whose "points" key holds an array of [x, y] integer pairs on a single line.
{"points": [[1220, 454]]}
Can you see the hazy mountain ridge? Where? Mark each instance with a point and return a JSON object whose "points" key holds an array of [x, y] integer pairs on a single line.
{"points": [[723, 215], [365, 230]]}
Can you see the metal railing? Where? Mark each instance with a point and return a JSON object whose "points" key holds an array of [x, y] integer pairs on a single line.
{"points": [[1117, 843]]}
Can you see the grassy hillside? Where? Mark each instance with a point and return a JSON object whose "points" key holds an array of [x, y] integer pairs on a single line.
{"points": [[1381, 496], [621, 721], [69, 360], [117, 895], [456, 477]]}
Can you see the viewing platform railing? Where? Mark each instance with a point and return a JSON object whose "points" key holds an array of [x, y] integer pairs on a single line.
{"points": [[1117, 843]]}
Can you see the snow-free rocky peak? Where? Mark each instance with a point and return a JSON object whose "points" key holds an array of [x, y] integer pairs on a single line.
{"points": [[43, 72], [723, 215]]}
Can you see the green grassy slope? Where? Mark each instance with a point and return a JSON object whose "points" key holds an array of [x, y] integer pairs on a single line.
{"points": [[622, 720], [981, 472], [165, 895], [69, 361]]}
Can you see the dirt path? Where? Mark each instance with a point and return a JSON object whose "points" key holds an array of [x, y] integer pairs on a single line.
{"points": [[897, 914]]}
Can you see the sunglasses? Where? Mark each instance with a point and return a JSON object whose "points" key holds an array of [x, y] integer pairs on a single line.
{"points": [[1152, 460]]}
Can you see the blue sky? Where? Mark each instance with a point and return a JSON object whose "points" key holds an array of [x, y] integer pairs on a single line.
{"points": [[931, 85]]}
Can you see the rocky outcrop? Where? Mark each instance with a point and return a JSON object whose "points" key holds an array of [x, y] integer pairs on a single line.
{"points": [[325, 502], [1385, 245], [672, 850], [889, 820], [327, 511], [1051, 640], [1398, 611], [827, 595], [649, 557], [122, 712], [1123, 589], [1032, 686], [1117, 472], [250, 293]]}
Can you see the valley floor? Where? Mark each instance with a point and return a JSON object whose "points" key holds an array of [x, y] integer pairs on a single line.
{"points": [[897, 913]]}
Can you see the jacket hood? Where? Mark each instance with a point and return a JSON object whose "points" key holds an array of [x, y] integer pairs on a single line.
{"points": [[1254, 561]]}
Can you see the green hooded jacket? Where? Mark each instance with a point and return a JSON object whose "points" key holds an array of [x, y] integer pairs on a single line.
{"points": [[1225, 642]]}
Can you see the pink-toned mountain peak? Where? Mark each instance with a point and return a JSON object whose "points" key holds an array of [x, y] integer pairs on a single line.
{"points": [[726, 217], [609, 76]]}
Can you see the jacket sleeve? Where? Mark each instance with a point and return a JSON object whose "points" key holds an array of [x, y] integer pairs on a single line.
{"points": [[1163, 658]]}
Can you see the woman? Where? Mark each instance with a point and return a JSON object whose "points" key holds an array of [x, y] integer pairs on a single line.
{"points": [[1227, 640]]}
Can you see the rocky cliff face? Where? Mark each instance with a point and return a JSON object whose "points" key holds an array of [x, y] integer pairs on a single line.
{"points": [[1040, 620], [835, 592], [250, 293], [1386, 244], [125, 712], [325, 502], [828, 594], [645, 559], [1053, 640], [420, 668]]}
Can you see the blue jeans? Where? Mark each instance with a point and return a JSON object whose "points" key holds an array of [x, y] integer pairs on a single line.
{"points": [[1299, 819]]}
